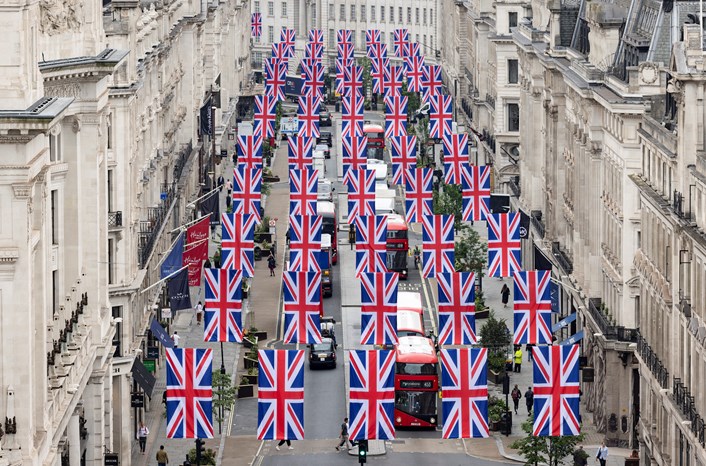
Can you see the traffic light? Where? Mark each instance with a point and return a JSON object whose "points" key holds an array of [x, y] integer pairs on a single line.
{"points": [[199, 450], [362, 451]]}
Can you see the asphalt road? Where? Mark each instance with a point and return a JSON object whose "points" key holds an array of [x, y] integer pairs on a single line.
{"points": [[390, 459]]}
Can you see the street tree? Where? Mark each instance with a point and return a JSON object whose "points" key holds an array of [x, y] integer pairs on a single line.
{"points": [[545, 450], [223, 394]]}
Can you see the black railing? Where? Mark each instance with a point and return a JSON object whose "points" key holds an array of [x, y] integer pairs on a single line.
{"points": [[686, 403], [536, 220], [653, 363], [514, 184], [604, 325], [115, 219], [563, 258]]}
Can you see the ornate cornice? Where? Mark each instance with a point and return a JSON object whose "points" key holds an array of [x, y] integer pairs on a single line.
{"points": [[9, 255], [22, 191]]}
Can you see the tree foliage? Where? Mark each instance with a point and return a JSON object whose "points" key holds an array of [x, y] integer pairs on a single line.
{"points": [[495, 336], [545, 450], [223, 394]]}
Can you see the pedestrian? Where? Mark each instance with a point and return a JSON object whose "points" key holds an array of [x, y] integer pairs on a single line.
{"points": [[221, 182], [207, 264], [528, 348], [162, 458], [271, 263], [516, 395], [580, 457], [518, 358], [164, 398], [229, 186], [175, 339], [288, 235], [199, 313], [281, 442], [505, 293], [343, 435], [602, 454], [529, 400], [142, 433], [229, 201]]}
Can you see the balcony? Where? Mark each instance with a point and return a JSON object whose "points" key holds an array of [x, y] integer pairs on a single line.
{"points": [[685, 402], [115, 219], [562, 258], [514, 184], [607, 328], [536, 221], [652, 362]]}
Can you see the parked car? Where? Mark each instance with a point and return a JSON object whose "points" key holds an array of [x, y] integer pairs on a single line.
{"points": [[324, 117], [325, 148], [325, 138], [322, 354]]}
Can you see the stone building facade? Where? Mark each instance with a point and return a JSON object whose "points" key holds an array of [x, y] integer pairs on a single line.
{"points": [[98, 131]]}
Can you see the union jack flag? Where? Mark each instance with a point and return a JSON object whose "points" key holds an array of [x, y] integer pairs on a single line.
{"points": [[457, 308], [392, 84], [280, 395], [314, 51], [476, 192], [309, 115], [302, 301], [370, 244], [352, 116], [341, 65], [431, 81], [313, 78], [464, 385], [455, 157], [415, 50], [247, 183], [303, 191], [372, 394], [372, 36], [404, 157], [354, 154], [304, 243], [300, 152], [250, 151], [438, 244], [532, 308], [556, 390], [316, 36], [361, 193], [189, 393], [353, 79], [282, 51], [401, 42], [288, 36], [440, 115], [504, 244], [378, 318], [224, 305], [345, 50], [377, 50], [275, 77], [415, 67], [395, 115], [418, 194], [344, 36], [256, 24], [379, 68], [266, 113], [238, 243]]}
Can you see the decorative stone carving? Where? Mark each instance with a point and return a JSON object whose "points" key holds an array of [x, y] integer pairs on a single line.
{"points": [[648, 72], [76, 124], [59, 16], [64, 90], [22, 191]]}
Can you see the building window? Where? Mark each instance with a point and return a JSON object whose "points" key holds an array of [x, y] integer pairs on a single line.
{"points": [[392, 38], [353, 39], [284, 9], [353, 18], [409, 15], [313, 16], [512, 71], [399, 14], [110, 191], [431, 43], [392, 14], [362, 13], [512, 20], [117, 312], [372, 13], [416, 38], [416, 16], [424, 16], [342, 13], [331, 39], [55, 147], [111, 261], [331, 11], [431, 16], [270, 8], [362, 38], [54, 216], [270, 34], [424, 39], [513, 117], [256, 7]]}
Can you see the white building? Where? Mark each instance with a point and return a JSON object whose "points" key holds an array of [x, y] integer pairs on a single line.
{"points": [[98, 119]]}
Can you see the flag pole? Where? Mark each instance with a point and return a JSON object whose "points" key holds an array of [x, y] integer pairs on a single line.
{"points": [[203, 197], [195, 243], [187, 224], [169, 249], [164, 279]]}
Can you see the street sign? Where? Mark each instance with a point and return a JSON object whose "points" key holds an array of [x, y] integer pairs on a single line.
{"points": [[137, 400], [111, 459], [150, 364], [153, 352]]}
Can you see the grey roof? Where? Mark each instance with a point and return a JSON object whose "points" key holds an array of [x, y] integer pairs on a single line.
{"points": [[46, 108], [108, 57]]}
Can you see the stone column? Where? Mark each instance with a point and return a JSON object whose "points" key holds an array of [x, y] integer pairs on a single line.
{"points": [[74, 437]]}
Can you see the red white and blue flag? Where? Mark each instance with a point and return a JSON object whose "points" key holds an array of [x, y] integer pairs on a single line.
{"points": [[403, 153], [504, 245], [361, 193], [372, 36], [301, 150], [464, 385], [316, 36], [395, 115], [431, 81], [302, 303], [309, 115], [238, 243], [189, 393], [401, 42], [378, 308], [457, 308], [250, 151], [223, 308], [313, 78], [532, 309], [418, 194], [440, 115], [415, 50], [256, 24], [266, 114], [303, 191], [304, 243], [414, 69], [476, 192], [379, 68], [288, 36], [344, 36], [556, 390], [345, 50], [247, 184], [282, 51], [352, 117], [280, 395], [353, 79], [275, 76], [372, 395], [455, 157], [392, 84], [354, 154], [370, 244], [438, 244], [377, 50], [314, 51]]}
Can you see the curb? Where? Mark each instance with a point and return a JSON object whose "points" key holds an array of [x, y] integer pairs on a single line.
{"points": [[503, 453]]}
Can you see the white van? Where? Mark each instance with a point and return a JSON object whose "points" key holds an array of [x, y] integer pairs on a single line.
{"points": [[326, 190], [319, 163], [384, 206]]}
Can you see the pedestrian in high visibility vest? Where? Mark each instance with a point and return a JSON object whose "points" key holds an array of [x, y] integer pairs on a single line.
{"points": [[518, 359]]}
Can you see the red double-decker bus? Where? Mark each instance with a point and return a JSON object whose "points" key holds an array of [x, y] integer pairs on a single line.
{"points": [[416, 383], [397, 245], [376, 140]]}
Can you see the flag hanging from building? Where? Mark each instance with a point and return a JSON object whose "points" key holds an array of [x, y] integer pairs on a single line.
{"points": [[464, 385], [379, 68], [303, 191], [302, 304], [432, 85], [504, 246], [414, 71], [280, 395], [275, 77], [392, 83], [193, 258], [455, 157], [309, 115], [372, 395], [401, 42], [223, 308], [206, 118], [395, 116], [189, 393], [266, 114], [238, 243], [370, 244], [247, 184], [353, 79], [457, 308], [378, 310], [174, 259], [301, 151], [197, 231], [418, 194], [313, 79], [556, 391], [372, 36], [476, 192], [403, 153], [440, 115], [352, 116], [361, 193], [178, 290], [532, 307], [256, 24], [210, 205], [304, 242], [316, 36], [354, 155], [438, 244], [250, 151]]}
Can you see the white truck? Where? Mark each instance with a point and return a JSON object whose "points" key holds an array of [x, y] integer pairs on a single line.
{"points": [[289, 126]]}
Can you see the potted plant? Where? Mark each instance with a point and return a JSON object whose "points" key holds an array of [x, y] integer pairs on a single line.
{"points": [[482, 312], [245, 389], [251, 376], [260, 334], [496, 408], [250, 341], [496, 367], [495, 336]]}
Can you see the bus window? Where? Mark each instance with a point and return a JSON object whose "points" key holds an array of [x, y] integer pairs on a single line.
{"points": [[416, 369]]}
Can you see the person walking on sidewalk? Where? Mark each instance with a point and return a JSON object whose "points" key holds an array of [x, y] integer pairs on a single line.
{"points": [[271, 263], [175, 339], [529, 400], [281, 442], [518, 359], [516, 395], [162, 457], [343, 435], [199, 313], [142, 433], [528, 348], [602, 454], [229, 186], [505, 293]]}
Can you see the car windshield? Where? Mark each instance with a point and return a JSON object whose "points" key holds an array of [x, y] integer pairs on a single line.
{"points": [[322, 346], [321, 147]]}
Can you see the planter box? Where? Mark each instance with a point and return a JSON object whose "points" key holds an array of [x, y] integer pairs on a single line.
{"points": [[494, 426], [496, 377], [246, 391], [270, 178], [261, 335], [249, 344], [251, 379], [250, 363], [484, 314]]}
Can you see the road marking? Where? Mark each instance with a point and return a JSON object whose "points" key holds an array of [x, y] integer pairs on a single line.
{"points": [[431, 306], [257, 460]]}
